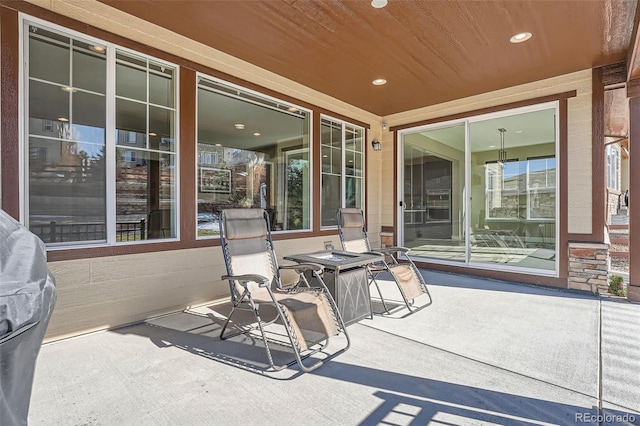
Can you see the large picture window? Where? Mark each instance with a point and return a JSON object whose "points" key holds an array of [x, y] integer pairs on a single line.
{"points": [[253, 152], [88, 181], [342, 168]]}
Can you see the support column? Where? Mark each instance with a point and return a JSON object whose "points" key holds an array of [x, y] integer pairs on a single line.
{"points": [[633, 289]]}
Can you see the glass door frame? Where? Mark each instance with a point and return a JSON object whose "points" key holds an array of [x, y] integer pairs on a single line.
{"points": [[466, 205]]}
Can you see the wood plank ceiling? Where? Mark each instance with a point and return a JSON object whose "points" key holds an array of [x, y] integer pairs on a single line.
{"points": [[428, 51]]}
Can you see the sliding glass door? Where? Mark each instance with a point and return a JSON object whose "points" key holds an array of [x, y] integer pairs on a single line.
{"points": [[433, 168], [508, 163]]}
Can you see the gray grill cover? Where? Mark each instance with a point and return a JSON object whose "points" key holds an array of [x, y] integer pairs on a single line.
{"points": [[27, 298]]}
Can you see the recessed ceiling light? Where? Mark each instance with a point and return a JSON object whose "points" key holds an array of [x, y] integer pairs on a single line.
{"points": [[520, 37], [153, 134], [65, 119], [68, 89], [325, 156], [98, 49], [239, 126], [256, 133], [378, 4], [379, 81], [218, 144]]}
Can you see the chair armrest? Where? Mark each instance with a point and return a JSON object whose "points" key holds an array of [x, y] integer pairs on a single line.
{"points": [[390, 250], [263, 281], [301, 267], [374, 252]]}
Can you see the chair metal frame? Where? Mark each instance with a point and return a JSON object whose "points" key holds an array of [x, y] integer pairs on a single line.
{"points": [[243, 281], [389, 259]]}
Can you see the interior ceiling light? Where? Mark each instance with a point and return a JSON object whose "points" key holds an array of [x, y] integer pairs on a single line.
{"points": [[379, 81], [293, 109], [521, 37], [378, 4], [218, 144], [68, 89], [98, 49], [256, 133], [65, 119], [518, 131], [153, 134], [239, 126]]}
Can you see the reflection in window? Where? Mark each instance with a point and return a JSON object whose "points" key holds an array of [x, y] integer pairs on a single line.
{"points": [[253, 152], [342, 168], [513, 189], [145, 156], [521, 189], [613, 166], [541, 188], [67, 145], [66, 138], [505, 185]]}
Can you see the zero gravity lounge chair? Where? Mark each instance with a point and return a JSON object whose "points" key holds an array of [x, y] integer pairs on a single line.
{"points": [[406, 275], [308, 315]]}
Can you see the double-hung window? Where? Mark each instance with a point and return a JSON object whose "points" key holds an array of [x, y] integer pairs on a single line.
{"points": [[342, 152], [100, 141]]}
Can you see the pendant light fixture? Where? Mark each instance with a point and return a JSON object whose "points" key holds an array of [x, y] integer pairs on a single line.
{"points": [[502, 154]]}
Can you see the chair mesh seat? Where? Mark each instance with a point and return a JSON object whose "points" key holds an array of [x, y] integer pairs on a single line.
{"points": [[353, 236], [308, 314], [407, 280]]}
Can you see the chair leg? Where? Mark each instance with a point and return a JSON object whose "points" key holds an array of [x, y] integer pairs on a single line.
{"points": [[246, 297], [256, 312], [264, 339], [236, 303], [373, 278], [304, 280]]}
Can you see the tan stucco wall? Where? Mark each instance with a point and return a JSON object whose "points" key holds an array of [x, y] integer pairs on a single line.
{"points": [[579, 138], [99, 293]]}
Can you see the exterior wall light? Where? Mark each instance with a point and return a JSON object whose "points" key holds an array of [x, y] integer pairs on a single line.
{"points": [[377, 146]]}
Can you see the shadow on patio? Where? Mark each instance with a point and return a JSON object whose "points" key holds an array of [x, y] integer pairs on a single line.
{"points": [[475, 356]]}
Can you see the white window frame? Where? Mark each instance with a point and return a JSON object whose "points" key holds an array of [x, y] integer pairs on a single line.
{"points": [[613, 166], [110, 130], [202, 76], [343, 174]]}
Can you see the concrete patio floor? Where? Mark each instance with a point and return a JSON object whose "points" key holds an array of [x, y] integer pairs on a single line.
{"points": [[485, 352]]}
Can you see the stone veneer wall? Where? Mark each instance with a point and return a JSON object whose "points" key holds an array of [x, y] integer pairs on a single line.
{"points": [[588, 267], [386, 239]]}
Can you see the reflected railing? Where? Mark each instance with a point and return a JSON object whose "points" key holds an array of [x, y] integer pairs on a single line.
{"points": [[53, 232]]}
